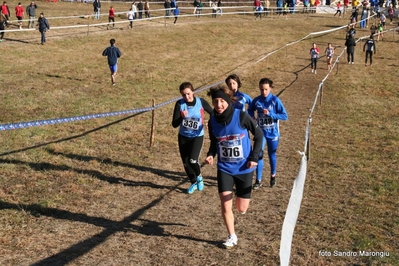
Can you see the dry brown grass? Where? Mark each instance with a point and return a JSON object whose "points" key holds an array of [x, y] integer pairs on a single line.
{"points": [[94, 192]]}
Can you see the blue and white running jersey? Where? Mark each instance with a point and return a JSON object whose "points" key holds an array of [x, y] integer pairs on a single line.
{"points": [[233, 145], [242, 100], [268, 123], [193, 125]]}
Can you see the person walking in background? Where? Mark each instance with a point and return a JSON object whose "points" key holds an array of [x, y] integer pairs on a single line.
{"points": [[314, 56], [97, 9], [354, 17], [338, 9], [270, 110], [370, 49], [31, 13], [134, 9], [130, 17], [363, 19], [43, 26], [113, 53], [391, 13], [140, 7], [166, 5], [176, 12], [111, 17], [350, 44], [329, 55], [242, 100], [199, 8], [214, 9], [19, 13], [219, 5], [188, 115], [6, 13], [2, 23], [346, 5], [147, 9], [230, 140]]}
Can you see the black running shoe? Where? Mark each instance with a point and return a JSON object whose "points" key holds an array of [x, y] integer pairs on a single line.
{"points": [[273, 181]]}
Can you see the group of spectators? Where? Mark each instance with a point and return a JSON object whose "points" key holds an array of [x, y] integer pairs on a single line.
{"points": [[20, 12]]}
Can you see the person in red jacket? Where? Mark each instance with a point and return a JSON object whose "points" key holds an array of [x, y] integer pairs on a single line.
{"points": [[6, 12], [111, 17], [19, 13]]}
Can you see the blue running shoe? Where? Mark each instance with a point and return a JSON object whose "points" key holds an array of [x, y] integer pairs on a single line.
{"points": [[200, 183], [192, 188]]}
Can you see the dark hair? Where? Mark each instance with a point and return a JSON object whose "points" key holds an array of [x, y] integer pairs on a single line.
{"points": [[112, 41], [235, 78], [220, 90], [266, 81], [186, 85]]}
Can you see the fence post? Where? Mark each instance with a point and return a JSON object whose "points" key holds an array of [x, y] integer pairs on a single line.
{"points": [[152, 124], [308, 142], [321, 94]]}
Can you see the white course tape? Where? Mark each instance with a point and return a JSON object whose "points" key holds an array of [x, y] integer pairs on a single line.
{"points": [[292, 212]]}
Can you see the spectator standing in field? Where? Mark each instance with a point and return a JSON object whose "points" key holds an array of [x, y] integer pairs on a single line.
{"points": [[134, 9], [219, 5], [113, 53], [111, 17], [370, 49], [230, 140], [242, 100], [97, 9], [354, 17], [378, 11], [383, 19], [176, 12], [31, 12], [166, 5], [199, 8], [188, 115], [147, 9], [329, 55], [306, 4], [214, 8], [270, 110], [43, 26], [391, 13], [266, 8], [350, 44], [314, 56], [130, 17], [338, 9], [6, 13], [140, 7], [363, 19], [2, 22], [279, 4], [346, 5], [19, 13]]}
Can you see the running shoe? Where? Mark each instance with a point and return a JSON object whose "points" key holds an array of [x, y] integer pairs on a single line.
{"points": [[231, 241], [192, 188], [257, 184], [273, 181], [200, 183]]}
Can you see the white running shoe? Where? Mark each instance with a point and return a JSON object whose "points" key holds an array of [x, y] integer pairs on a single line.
{"points": [[231, 241]]}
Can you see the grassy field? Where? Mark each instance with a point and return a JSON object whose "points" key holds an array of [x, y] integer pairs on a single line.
{"points": [[95, 193]]}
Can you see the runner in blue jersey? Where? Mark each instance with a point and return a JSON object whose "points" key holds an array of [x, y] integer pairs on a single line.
{"points": [[189, 115], [270, 110], [242, 100], [229, 134]]}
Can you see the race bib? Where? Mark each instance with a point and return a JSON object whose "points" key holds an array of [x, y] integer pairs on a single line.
{"points": [[265, 121], [191, 123], [231, 150]]}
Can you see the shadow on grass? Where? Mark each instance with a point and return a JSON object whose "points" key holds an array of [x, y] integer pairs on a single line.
{"points": [[58, 76], [64, 257], [69, 138]]}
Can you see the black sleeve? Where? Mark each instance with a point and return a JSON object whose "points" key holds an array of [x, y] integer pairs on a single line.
{"points": [[250, 124], [176, 120], [206, 106], [212, 147]]}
